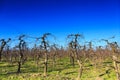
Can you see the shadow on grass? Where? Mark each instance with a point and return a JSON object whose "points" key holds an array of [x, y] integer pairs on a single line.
{"points": [[70, 72]]}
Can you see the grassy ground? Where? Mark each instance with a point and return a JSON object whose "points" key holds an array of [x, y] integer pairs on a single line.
{"points": [[62, 71]]}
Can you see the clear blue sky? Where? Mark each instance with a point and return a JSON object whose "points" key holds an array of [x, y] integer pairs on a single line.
{"points": [[95, 19]]}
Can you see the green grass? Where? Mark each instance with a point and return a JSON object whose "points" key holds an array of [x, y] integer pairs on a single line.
{"points": [[62, 71]]}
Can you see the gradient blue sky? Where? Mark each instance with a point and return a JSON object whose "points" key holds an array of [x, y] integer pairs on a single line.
{"points": [[95, 19]]}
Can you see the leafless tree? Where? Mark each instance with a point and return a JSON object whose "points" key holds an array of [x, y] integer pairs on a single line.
{"points": [[114, 49], [21, 46], [71, 53], [3, 43], [75, 48], [45, 46]]}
